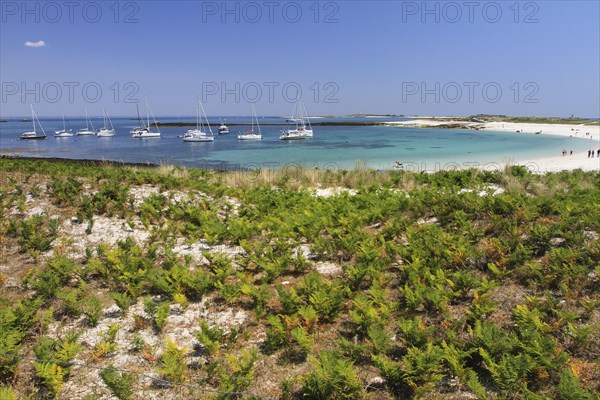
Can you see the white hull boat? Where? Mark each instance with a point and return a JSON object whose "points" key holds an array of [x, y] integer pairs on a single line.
{"points": [[63, 132], [87, 131], [106, 131], [251, 133], [198, 135], [144, 132], [303, 130]]}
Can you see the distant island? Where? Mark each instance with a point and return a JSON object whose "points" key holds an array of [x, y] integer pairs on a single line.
{"points": [[283, 123], [529, 120], [376, 116], [475, 122]]}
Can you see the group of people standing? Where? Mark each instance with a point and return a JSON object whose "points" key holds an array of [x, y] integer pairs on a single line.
{"points": [[564, 152], [591, 153]]}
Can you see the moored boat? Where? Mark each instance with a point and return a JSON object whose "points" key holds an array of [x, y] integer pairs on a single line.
{"points": [[63, 132], [33, 135], [87, 131], [251, 134], [198, 134]]}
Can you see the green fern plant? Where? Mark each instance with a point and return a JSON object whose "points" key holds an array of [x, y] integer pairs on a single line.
{"points": [[11, 335], [277, 335], [481, 306], [365, 313], [327, 302], [380, 338], [414, 332], [67, 351], [238, 373], [182, 300], [416, 374], [332, 376], [52, 377], [228, 291], [210, 337], [70, 300], [476, 387], [103, 348], [163, 311], [260, 296], [309, 317], [353, 349], [123, 300], [569, 387], [303, 339], [173, 366], [108, 343], [581, 335], [7, 393], [510, 372], [289, 299], [120, 384], [91, 308]]}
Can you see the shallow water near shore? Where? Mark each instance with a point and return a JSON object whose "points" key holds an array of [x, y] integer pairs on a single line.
{"points": [[332, 147]]}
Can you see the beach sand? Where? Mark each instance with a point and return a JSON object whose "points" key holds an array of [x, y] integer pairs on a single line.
{"points": [[577, 160]]}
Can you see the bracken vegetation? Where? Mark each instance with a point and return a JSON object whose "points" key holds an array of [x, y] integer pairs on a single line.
{"points": [[145, 282]]}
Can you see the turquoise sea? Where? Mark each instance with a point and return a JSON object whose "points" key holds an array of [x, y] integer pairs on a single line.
{"points": [[332, 147]]}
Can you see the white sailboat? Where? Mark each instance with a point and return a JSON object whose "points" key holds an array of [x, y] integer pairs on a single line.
{"points": [[223, 129], [308, 132], [87, 131], [198, 134], [33, 134], [251, 134], [300, 131], [145, 132], [140, 129], [106, 131], [63, 132]]}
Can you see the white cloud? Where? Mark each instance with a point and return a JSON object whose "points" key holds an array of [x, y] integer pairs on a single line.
{"points": [[39, 43]]}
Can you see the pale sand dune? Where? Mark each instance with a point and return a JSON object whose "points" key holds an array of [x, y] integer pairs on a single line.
{"points": [[552, 164]]}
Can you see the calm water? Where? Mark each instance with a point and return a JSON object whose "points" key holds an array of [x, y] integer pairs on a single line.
{"points": [[333, 147]]}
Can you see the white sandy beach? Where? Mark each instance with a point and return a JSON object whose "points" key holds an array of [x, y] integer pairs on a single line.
{"points": [[578, 160]]}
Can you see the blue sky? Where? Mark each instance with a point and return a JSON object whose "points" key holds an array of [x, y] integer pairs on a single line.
{"points": [[401, 57]]}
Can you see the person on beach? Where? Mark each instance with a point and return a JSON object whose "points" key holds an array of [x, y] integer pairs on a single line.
{"points": [[571, 153], [564, 152], [589, 153]]}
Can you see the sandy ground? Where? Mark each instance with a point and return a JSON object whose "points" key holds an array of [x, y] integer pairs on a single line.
{"points": [[578, 160], [562, 163]]}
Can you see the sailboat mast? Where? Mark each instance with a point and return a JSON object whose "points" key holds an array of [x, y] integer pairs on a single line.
{"points": [[257, 124], [147, 113], [206, 119], [32, 117], [137, 107], [38, 121], [307, 118], [198, 116]]}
